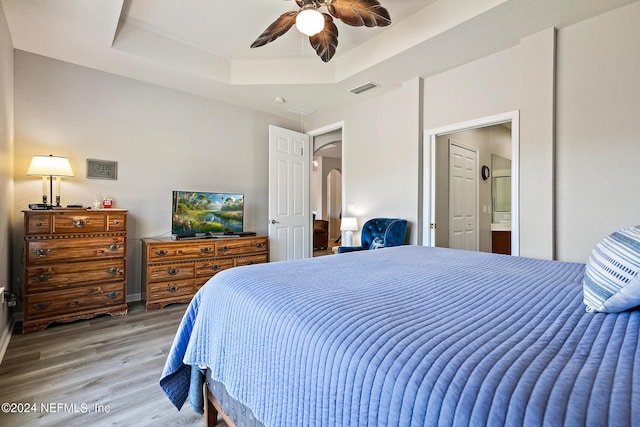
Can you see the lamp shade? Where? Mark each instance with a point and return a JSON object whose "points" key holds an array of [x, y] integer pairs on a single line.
{"points": [[349, 224], [50, 166]]}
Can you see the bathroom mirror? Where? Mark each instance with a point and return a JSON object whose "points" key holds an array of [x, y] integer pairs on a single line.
{"points": [[500, 189]]}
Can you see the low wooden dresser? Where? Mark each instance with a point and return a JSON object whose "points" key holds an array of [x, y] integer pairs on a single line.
{"points": [[74, 265], [174, 270]]}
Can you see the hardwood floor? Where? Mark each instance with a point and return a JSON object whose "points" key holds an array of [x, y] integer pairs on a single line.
{"points": [[98, 372], [323, 252]]}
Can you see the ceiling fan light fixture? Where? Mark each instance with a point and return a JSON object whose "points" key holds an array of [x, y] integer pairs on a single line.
{"points": [[320, 28], [309, 22]]}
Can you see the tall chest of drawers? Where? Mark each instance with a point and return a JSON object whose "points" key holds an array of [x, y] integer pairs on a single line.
{"points": [[74, 265], [174, 270]]}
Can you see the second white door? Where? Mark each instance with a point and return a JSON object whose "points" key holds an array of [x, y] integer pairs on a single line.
{"points": [[463, 197]]}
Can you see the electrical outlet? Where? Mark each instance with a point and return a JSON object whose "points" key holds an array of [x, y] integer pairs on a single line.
{"points": [[8, 298]]}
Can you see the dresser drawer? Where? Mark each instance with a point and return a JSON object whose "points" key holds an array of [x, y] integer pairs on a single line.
{"points": [[62, 276], [210, 267], [60, 302], [178, 251], [241, 247], [117, 222], [173, 289], [69, 223], [165, 272], [249, 260], [37, 224], [40, 251]]}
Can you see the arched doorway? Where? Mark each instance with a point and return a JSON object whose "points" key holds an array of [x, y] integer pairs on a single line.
{"points": [[326, 184]]}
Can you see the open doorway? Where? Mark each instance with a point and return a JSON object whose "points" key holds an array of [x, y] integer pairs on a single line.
{"points": [[476, 215], [326, 189]]}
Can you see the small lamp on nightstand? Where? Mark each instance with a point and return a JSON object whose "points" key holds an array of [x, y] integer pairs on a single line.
{"points": [[50, 166], [348, 225]]}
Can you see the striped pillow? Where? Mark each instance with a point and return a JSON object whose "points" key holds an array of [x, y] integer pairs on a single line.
{"points": [[611, 281]]}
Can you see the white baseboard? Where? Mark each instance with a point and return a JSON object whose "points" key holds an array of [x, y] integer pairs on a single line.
{"points": [[6, 337]]}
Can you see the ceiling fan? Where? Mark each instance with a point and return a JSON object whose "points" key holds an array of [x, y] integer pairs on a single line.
{"points": [[322, 31]]}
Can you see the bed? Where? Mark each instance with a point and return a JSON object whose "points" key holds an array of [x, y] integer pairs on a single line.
{"points": [[406, 336]]}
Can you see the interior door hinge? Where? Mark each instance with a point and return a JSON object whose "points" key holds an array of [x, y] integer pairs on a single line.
{"points": [[433, 226]]}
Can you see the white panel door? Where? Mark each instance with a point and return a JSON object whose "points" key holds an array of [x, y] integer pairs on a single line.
{"points": [[463, 197], [289, 208]]}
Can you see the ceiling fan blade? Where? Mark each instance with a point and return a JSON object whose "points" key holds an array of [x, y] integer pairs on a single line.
{"points": [[326, 41], [357, 13], [276, 29]]}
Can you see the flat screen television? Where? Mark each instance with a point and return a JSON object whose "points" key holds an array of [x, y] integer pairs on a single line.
{"points": [[201, 213]]}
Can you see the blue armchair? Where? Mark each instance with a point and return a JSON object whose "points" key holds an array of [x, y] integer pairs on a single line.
{"points": [[379, 232]]}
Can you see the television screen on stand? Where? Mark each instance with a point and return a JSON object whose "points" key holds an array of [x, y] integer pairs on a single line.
{"points": [[200, 213]]}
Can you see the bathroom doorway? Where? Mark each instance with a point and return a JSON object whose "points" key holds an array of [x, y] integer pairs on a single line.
{"points": [[491, 135]]}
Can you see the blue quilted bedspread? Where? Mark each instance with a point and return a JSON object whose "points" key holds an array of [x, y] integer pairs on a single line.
{"points": [[411, 336]]}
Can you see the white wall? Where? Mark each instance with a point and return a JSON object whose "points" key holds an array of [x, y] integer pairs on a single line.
{"points": [[598, 150], [163, 140], [6, 172], [390, 127], [380, 163], [577, 93], [498, 84]]}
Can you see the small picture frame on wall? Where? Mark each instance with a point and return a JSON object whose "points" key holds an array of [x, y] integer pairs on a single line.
{"points": [[102, 169]]}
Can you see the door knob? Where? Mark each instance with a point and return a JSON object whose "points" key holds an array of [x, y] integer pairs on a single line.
{"points": [[273, 221]]}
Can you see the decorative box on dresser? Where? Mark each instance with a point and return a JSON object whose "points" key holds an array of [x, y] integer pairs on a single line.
{"points": [[174, 270], [74, 265]]}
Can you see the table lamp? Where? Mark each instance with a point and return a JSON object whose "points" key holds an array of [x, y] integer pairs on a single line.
{"points": [[50, 166], [348, 225]]}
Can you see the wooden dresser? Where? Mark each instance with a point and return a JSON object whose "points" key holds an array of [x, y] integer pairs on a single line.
{"points": [[174, 270], [74, 265]]}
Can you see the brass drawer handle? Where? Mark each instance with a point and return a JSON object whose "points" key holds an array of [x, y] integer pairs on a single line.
{"points": [[42, 306], [41, 252], [113, 247], [173, 271], [161, 252], [215, 267], [259, 245], [205, 250], [224, 249], [38, 224], [116, 222], [112, 295], [43, 278], [79, 223], [173, 289], [113, 271]]}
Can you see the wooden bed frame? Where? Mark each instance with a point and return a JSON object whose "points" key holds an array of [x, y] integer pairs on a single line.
{"points": [[212, 409]]}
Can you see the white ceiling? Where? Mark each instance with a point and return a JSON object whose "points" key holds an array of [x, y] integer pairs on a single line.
{"points": [[202, 46]]}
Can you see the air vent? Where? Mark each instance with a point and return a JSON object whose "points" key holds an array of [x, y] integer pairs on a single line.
{"points": [[363, 88], [301, 110]]}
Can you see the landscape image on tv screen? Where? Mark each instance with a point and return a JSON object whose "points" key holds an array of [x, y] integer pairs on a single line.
{"points": [[205, 212]]}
